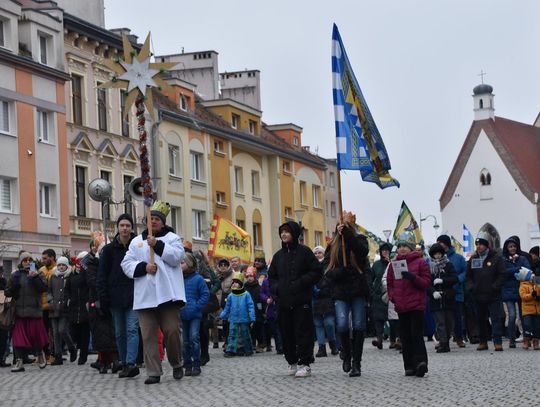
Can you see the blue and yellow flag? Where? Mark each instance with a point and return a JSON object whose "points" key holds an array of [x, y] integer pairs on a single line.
{"points": [[359, 144], [407, 223], [458, 247]]}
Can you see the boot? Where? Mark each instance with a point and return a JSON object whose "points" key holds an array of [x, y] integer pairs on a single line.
{"points": [[333, 348], [42, 360], [346, 351], [482, 346], [19, 366], [526, 343], [321, 352], [460, 343], [116, 367], [498, 347], [104, 368], [358, 347], [378, 343], [397, 345], [535, 344], [73, 354]]}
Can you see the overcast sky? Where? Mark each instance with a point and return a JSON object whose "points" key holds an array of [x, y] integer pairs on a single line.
{"points": [[417, 62]]}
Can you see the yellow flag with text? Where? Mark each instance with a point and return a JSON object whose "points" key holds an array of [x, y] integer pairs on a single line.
{"points": [[228, 240]]}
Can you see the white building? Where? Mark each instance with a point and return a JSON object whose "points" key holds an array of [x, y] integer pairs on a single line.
{"points": [[495, 181]]}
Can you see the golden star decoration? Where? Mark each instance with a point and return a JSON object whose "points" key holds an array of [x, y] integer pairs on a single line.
{"points": [[136, 75]]}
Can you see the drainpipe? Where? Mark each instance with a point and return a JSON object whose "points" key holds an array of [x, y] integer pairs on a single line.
{"points": [[154, 145]]}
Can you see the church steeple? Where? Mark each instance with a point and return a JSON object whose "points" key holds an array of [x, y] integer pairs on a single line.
{"points": [[483, 102]]}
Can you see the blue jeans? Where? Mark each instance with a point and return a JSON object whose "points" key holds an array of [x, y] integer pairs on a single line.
{"points": [[512, 314], [192, 344], [126, 329], [531, 326], [357, 308], [325, 324]]}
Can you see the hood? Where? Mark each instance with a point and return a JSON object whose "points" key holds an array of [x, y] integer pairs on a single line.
{"points": [[511, 239], [295, 230]]}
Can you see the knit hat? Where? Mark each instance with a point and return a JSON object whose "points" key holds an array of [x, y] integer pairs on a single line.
{"points": [[524, 274], [124, 216], [251, 270], [24, 255], [535, 250], [385, 246], [238, 277], [161, 210], [190, 260], [406, 239], [318, 249], [444, 239], [224, 262], [436, 248], [62, 260]]}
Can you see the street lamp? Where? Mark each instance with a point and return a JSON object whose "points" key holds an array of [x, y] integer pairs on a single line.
{"points": [[299, 216], [387, 233], [435, 224]]}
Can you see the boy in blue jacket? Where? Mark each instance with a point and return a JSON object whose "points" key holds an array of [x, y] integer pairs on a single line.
{"points": [[240, 311]]}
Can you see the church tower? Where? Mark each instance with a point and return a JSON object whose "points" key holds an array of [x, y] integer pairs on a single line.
{"points": [[483, 102]]}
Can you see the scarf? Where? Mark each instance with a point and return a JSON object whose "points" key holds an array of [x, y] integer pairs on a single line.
{"points": [[437, 265]]}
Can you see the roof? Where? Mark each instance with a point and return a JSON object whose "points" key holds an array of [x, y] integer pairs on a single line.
{"points": [[518, 145]]}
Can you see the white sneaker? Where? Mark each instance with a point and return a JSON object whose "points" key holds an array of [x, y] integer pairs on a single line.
{"points": [[303, 371], [291, 371]]}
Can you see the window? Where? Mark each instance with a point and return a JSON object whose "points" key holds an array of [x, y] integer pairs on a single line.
{"points": [[295, 140], [46, 194], [241, 224], [2, 34], [43, 126], [5, 117], [238, 180], [197, 224], [303, 198], [220, 197], [174, 161], [286, 166], [252, 127], [316, 190], [184, 103], [333, 211], [332, 180], [105, 206], [255, 184], [196, 166], [124, 117], [43, 43], [257, 235], [102, 108], [80, 190], [486, 191], [485, 178], [76, 90], [218, 146], [128, 206], [288, 212], [318, 238], [176, 219], [5, 195], [235, 123]]}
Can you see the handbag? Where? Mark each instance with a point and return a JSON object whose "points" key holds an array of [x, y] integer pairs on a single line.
{"points": [[7, 311]]}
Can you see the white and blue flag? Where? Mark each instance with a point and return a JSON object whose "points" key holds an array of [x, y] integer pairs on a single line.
{"points": [[467, 240]]}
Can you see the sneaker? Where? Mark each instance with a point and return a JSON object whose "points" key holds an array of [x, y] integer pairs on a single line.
{"points": [[196, 371], [291, 371], [178, 373], [303, 371], [42, 360], [18, 367]]}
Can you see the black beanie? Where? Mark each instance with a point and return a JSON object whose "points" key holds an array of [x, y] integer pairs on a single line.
{"points": [[436, 248], [444, 239], [535, 250], [125, 216]]}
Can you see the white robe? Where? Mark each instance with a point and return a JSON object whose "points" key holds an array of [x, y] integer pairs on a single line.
{"points": [[168, 283]]}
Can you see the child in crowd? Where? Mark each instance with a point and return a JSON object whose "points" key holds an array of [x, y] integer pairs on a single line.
{"points": [[254, 289], [529, 291], [240, 312], [196, 299]]}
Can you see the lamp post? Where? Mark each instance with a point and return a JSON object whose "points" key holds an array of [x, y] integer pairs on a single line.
{"points": [[435, 224], [387, 233]]}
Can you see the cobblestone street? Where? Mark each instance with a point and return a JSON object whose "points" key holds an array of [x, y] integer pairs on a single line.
{"points": [[462, 377]]}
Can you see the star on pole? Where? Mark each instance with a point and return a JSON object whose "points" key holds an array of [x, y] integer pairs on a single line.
{"points": [[136, 75]]}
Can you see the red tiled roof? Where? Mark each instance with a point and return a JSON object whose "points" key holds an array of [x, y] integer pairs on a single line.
{"points": [[518, 145]]}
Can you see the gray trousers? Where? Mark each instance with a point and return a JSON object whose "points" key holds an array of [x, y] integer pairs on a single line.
{"points": [[445, 325], [166, 317], [60, 327]]}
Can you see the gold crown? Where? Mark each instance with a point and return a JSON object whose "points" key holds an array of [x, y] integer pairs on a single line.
{"points": [[162, 207]]}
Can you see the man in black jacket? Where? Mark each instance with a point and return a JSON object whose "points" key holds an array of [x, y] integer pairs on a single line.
{"points": [[292, 274], [115, 292]]}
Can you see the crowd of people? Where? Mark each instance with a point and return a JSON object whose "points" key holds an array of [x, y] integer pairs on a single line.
{"points": [[137, 298]]}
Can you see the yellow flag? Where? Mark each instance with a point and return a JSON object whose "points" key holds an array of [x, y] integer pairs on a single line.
{"points": [[228, 240], [457, 245], [407, 223]]}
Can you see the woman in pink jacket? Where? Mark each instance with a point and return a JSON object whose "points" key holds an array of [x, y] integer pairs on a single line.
{"points": [[408, 279]]}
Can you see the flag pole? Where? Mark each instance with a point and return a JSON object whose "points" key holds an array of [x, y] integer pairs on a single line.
{"points": [[343, 251]]}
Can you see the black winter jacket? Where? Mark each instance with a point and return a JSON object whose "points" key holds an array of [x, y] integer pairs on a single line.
{"points": [[254, 289], [293, 272], [349, 282], [76, 291], [114, 288], [484, 282], [448, 293]]}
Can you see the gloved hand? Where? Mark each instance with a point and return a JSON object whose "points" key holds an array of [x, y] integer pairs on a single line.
{"points": [[437, 281], [407, 275], [437, 295]]}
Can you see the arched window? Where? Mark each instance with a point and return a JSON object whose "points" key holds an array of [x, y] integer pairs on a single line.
{"points": [[485, 177], [493, 235], [481, 103]]}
